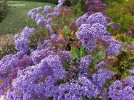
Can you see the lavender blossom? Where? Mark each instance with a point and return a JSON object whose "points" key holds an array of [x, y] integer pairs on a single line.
{"points": [[100, 78], [130, 81], [21, 41], [88, 87], [31, 15], [88, 34], [53, 14], [82, 20], [27, 32], [54, 62], [132, 71], [119, 91], [97, 18], [39, 19], [85, 61], [22, 44], [54, 37], [57, 8], [47, 9], [38, 55]]}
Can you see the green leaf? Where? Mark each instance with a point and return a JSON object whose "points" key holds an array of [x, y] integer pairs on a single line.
{"points": [[67, 31], [74, 53], [82, 51]]}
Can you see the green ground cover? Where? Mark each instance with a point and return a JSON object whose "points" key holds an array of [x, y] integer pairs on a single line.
{"points": [[16, 18]]}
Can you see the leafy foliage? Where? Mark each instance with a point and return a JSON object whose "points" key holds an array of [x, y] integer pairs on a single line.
{"points": [[124, 16]]}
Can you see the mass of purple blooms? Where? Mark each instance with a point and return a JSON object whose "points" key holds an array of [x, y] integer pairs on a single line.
{"points": [[49, 73]]}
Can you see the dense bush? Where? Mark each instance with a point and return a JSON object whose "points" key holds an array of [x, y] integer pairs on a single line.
{"points": [[76, 62], [124, 14], [6, 45], [3, 9]]}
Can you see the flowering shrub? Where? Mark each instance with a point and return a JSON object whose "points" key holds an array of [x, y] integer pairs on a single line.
{"points": [[74, 67]]}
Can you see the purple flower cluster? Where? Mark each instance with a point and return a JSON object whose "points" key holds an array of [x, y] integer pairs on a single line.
{"points": [[46, 21], [38, 79], [129, 33], [53, 14], [95, 6], [40, 19], [47, 9], [101, 77], [75, 90], [93, 29], [82, 20], [21, 41], [84, 62], [32, 13], [9, 66], [88, 88], [60, 3], [132, 71], [38, 55], [88, 34], [113, 47], [121, 91]]}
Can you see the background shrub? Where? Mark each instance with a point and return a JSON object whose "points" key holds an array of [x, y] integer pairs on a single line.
{"points": [[78, 7], [3, 9], [6, 45], [124, 14]]}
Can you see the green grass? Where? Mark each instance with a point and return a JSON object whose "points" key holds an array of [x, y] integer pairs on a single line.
{"points": [[17, 19]]}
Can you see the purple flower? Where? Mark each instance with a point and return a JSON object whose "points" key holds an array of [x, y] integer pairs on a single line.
{"points": [[84, 62], [38, 55], [100, 78], [22, 44], [97, 18], [54, 37], [31, 15], [65, 56], [53, 14], [39, 19], [88, 87], [47, 9], [82, 20], [57, 8], [89, 34], [129, 33], [49, 21], [21, 41], [119, 91], [130, 81], [102, 64], [27, 32], [54, 62], [13, 94], [113, 49], [132, 71], [116, 26], [38, 9], [50, 29]]}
